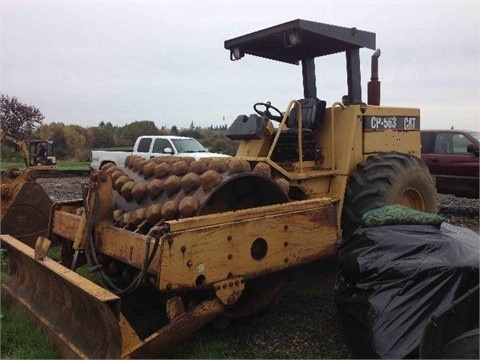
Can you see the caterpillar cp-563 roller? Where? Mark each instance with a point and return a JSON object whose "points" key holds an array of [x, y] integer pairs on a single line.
{"points": [[176, 243]]}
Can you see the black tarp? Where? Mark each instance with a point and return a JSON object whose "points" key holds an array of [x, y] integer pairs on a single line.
{"points": [[392, 279]]}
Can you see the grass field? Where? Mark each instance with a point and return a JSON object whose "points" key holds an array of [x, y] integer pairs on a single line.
{"points": [[20, 340], [62, 165], [302, 325]]}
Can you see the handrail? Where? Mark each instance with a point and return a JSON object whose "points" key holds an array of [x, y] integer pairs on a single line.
{"points": [[299, 136], [300, 132], [299, 127], [332, 135]]}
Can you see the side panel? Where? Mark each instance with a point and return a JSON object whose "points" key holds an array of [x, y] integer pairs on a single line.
{"points": [[100, 157], [391, 129], [249, 243], [349, 133], [389, 140], [200, 251], [337, 138]]}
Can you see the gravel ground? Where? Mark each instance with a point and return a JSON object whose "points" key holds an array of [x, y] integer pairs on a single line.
{"points": [[460, 211], [63, 188]]}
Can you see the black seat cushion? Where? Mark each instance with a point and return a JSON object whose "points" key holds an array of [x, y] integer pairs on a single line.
{"points": [[313, 113]]}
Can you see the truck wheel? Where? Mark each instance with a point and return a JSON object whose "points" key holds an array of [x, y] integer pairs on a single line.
{"points": [[463, 347], [386, 179]]}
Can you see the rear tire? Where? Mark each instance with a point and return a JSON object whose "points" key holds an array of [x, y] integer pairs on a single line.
{"points": [[386, 179]]}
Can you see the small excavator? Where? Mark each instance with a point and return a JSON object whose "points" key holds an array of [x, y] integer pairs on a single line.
{"points": [[37, 154]]}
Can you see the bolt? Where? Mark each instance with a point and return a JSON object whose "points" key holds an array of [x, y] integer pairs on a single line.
{"points": [[189, 263], [224, 286], [285, 227], [286, 260], [30, 174], [285, 243], [229, 237], [183, 249], [217, 287], [237, 282], [170, 240], [155, 231], [229, 275], [166, 228], [6, 191], [230, 256], [230, 284], [231, 300], [152, 280]]}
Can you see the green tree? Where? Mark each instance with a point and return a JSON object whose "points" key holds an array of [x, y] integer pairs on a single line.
{"points": [[194, 133], [70, 141], [216, 141], [101, 137], [18, 118], [76, 139], [164, 131], [130, 132]]}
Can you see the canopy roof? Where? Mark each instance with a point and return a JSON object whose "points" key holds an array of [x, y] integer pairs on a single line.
{"points": [[310, 40]]}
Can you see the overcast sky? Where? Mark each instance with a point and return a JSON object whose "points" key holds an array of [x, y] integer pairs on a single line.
{"points": [[83, 62]]}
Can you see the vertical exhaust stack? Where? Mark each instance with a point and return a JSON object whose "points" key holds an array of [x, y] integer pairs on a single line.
{"points": [[374, 84]]}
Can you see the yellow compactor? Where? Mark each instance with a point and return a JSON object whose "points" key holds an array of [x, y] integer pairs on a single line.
{"points": [[175, 243]]}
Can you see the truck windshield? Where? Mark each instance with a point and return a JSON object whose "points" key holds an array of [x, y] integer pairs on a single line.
{"points": [[476, 135], [188, 146]]}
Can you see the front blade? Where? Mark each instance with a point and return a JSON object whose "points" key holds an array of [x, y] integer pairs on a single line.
{"points": [[80, 317]]}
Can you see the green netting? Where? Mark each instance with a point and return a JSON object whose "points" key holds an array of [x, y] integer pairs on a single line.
{"points": [[399, 215]]}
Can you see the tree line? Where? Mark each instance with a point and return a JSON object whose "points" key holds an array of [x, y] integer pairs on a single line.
{"points": [[74, 142]]}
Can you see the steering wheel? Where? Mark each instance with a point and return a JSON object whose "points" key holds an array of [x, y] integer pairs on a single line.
{"points": [[267, 112]]}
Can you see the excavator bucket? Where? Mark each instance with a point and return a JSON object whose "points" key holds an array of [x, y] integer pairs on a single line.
{"points": [[25, 210]]}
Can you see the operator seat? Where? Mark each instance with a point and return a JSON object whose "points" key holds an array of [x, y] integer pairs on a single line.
{"points": [[313, 114]]}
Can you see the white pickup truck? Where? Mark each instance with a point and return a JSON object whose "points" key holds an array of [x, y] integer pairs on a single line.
{"points": [[153, 146]]}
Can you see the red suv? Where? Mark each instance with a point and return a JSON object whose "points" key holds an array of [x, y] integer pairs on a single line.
{"points": [[452, 157]]}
